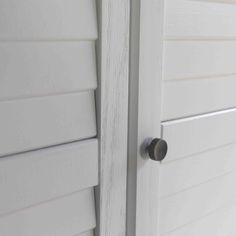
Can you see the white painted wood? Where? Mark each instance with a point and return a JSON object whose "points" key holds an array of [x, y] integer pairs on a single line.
{"points": [[47, 19], [44, 68], [185, 173], [64, 216], [198, 58], [220, 222], [192, 204], [113, 59], [198, 134], [195, 96], [200, 19], [89, 233], [232, 233], [48, 74], [34, 177], [198, 176], [39, 122], [144, 115]]}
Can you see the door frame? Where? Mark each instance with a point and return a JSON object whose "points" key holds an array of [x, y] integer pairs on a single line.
{"points": [[112, 115], [144, 115]]}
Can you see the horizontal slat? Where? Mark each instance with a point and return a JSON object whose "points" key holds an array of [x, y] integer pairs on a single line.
{"points": [[65, 216], [48, 19], [35, 123], [193, 59], [36, 69], [197, 134], [190, 205], [195, 96], [193, 19], [39, 176], [185, 173], [219, 223]]}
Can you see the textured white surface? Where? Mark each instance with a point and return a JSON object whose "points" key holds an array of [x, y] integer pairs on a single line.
{"points": [[194, 170], [218, 223], [69, 215], [47, 82], [31, 69], [144, 115], [34, 177], [185, 59], [189, 97], [190, 205], [199, 58], [197, 179], [40, 122], [200, 133], [47, 19], [112, 102], [200, 19]]}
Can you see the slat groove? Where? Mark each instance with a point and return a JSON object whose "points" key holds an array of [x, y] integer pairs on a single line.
{"points": [[199, 218], [32, 178], [197, 185], [63, 216]]}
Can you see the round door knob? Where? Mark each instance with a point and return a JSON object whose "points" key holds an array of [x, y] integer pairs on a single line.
{"points": [[157, 149]]}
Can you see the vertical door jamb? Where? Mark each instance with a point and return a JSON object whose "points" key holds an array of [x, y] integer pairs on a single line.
{"points": [[144, 115], [112, 104]]}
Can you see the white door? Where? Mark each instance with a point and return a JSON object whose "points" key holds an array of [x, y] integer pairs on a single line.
{"points": [[48, 145], [183, 77]]}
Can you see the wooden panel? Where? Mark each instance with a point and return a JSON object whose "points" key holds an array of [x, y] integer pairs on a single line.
{"points": [[65, 216], [48, 19], [197, 134], [36, 69], [112, 101], [35, 177], [219, 223], [89, 233], [144, 115], [34, 123], [185, 173], [190, 205], [194, 19], [189, 97], [232, 233], [192, 59]]}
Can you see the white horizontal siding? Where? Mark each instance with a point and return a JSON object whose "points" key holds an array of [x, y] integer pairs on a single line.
{"points": [[192, 204], [47, 19], [195, 96], [47, 83], [193, 59], [218, 223], [194, 170], [40, 122], [199, 57], [69, 215], [30, 69], [198, 178], [200, 133], [200, 19], [34, 177]]}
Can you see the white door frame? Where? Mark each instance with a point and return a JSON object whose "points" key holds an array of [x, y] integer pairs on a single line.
{"points": [[112, 104], [144, 115]]}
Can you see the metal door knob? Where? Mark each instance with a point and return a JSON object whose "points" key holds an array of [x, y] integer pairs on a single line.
{"points": [[157, 149]]}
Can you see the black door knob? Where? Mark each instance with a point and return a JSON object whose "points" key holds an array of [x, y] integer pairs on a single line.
{"points": [[157, 149]]}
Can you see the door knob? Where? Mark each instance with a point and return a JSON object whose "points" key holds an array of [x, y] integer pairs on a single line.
{"points": [[157, 149]]}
